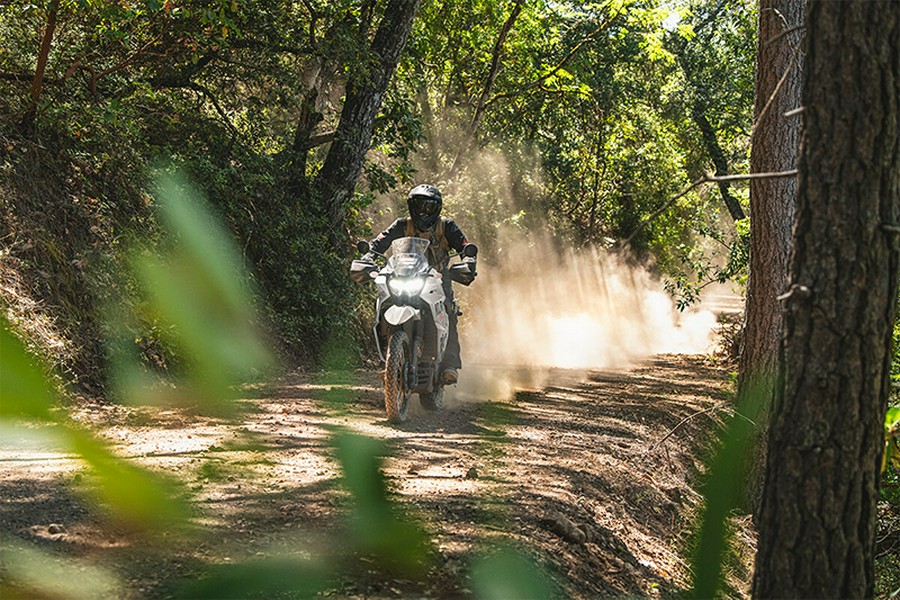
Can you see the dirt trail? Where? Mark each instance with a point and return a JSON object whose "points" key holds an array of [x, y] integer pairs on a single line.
{"points": [[573, 473]]}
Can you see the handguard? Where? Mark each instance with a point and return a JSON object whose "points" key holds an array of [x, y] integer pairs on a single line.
{"points": [[361, 271], [463, 272]]}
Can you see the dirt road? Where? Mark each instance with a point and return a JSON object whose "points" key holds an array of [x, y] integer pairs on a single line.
{"points": [[576, 474]]}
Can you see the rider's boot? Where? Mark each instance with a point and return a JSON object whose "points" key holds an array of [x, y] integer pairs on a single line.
{"points": [[450, 376]]}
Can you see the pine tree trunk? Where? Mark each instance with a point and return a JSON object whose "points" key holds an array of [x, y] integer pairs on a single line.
{"points": [[343, 164], [817, 519], [775, 141]]}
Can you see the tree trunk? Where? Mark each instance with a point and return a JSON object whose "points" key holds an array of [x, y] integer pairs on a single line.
{"points": [[337, 179], [775, 141], [817, 519], [299, 151], [37, 83], [717, 155]]}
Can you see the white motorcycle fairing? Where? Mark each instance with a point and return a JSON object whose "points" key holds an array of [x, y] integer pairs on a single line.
{"points": [[397, 315], [422, 311]]}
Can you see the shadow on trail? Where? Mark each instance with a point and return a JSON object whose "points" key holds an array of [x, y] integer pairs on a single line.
{"points": [[575, 474], [582, 456], [30, 505]]}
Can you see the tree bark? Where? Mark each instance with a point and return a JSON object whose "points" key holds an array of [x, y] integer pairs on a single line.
{"points": [[336, 181], [817, 519], [775, 143], [299, 151]]}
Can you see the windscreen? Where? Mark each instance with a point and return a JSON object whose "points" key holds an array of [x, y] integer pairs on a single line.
{"points": [[408, 256]]}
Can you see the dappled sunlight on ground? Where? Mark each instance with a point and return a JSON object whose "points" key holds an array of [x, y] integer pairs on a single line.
{"points": [[563, 463]]}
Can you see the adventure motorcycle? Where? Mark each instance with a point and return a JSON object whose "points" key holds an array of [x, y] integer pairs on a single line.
{"points": [[412, 322]]}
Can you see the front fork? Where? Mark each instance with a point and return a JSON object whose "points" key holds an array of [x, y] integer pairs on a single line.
{"points": [[415, 344]]}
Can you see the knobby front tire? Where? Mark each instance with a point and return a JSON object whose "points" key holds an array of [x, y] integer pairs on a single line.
{"points": [[396, 392]]}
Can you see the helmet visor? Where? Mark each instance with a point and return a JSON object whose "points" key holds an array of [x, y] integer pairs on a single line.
{"points": [[424, 207]]}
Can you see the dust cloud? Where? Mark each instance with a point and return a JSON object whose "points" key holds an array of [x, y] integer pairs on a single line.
{"points": [[536, 314]]}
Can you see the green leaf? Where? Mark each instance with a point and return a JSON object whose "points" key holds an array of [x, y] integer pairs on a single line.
{"points": [[507, 573], [396, 542], [24, 387], [135, 496], [891, 438], [203, 244], [33, 573], [722, 491], [199, 292], [282, 576]]}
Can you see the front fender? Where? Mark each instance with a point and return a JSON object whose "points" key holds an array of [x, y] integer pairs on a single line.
{"points": [[397, 315]]}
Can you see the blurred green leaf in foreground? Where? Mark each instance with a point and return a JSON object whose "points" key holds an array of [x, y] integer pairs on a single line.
{"points": [[198, 299], [194, 291]]}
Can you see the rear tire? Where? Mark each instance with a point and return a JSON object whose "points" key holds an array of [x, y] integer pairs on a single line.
{"points": [[433, 400], [396, 392]]}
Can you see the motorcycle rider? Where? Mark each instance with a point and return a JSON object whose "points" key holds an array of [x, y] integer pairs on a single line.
{"points": [[425, 221]]}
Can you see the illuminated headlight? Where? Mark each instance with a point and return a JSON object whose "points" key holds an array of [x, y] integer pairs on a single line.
{"points": [[410, 286]]}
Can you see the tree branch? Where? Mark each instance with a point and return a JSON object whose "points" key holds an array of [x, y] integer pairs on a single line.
{"points": [[319, 139], [183, 79], [488, 86], [97, 75], [253, 44], [37, 84], [24, 77], [705, 179], [556, 68], [313, 17], [212, 99], [795, 54], [685, 420], [784, 33]]}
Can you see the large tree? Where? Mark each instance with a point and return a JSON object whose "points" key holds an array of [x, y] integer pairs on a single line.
{"points": [[817, 519], [775, 137], [365, 90]]}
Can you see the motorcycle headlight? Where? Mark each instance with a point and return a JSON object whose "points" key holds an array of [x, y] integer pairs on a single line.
{"points": [[411, 286]]}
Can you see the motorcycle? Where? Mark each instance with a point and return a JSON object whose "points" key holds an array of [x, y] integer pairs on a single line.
{"points": [[412, 323]]}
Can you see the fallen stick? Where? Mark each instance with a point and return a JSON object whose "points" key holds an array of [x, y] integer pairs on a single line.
{"points": [[686, 419]]}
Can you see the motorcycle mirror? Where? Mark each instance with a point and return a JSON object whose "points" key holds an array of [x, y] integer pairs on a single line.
{"points": [[362, 246], [470, 250]]}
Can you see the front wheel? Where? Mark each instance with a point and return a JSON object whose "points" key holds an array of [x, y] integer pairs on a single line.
{"points": [[396, 390]]}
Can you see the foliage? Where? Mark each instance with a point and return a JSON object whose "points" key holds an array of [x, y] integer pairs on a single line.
{"points": [[598, 93], [149, 502], [592, 125], [891, 439], [895, 358], [589, 118], [214, 86], [892, 416], [722, 494]]}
